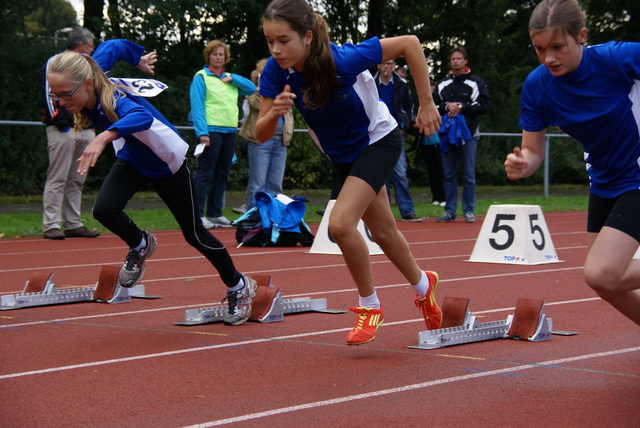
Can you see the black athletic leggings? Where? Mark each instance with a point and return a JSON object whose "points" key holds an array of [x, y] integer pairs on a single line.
{"points": [[177, 191]]}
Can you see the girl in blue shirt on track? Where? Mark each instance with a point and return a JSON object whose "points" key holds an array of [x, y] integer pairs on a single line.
{"points": [[592, 93], [149, 150], [337, 96]]}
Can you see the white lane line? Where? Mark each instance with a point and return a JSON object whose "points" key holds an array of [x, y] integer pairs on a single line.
{"points": [[243, 254], [406, 388], [167, 353], [227, 345]]}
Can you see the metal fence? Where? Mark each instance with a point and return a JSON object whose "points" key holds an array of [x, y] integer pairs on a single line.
{"points": [[482, 134]]}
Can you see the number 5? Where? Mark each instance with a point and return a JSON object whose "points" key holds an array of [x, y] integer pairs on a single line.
{"points": [[497, 227], [534, 229]]}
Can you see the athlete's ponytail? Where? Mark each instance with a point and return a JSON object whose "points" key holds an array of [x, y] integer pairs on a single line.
{"points": [[319, 68], [77, 68]]}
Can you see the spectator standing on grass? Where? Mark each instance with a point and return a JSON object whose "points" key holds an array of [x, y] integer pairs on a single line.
{"points": [[337, 96], [267, 160], [62, 196], [395, 93], [591, 93], [465, 94], [149, 151], [214, 109]]}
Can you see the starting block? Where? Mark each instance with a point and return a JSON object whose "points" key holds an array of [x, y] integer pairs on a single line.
{"points": [[40, 290], [267, 306], [324, 243], [459, 326], [514, 234]]}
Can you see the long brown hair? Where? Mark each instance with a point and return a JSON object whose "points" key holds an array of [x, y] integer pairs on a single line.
{"points": [[77, 68], [319, 68]]}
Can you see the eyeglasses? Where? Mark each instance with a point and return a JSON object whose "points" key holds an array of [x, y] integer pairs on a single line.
{"points": [[67, 96]]}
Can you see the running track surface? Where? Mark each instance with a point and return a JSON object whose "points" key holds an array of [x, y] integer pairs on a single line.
{"points": [[129, 365]]}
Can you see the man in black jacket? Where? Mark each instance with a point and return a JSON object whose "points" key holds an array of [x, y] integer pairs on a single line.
{"points": [[63, 188], [461, 93], [395, 93]]}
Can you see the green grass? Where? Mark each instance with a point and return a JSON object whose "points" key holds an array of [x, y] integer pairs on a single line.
{"points": [[150, 214]]}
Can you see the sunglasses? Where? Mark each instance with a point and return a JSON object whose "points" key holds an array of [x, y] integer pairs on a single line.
{"points": [[67, 96]]}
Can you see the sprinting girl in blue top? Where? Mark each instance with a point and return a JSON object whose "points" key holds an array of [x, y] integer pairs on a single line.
{"points": [[337, 96], [593, 94], [149, 150]]}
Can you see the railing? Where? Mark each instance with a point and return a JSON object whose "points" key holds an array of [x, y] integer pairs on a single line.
{"points": [[482, 134], [547, 141]]}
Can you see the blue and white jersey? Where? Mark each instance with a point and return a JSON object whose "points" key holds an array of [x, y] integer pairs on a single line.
{"points": [[353, 119], [598, 105], [146, 139]]}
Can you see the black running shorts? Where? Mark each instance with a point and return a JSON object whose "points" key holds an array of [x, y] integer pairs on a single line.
{"points": [[621, 213], [375, 162]]}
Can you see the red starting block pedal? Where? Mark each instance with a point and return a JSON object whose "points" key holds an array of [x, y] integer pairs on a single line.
{"points": [[455, 311], [107, 286], [263, 305], [37, 282], [526, 319]]}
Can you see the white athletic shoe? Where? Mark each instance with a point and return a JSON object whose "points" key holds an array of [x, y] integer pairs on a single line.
{"points": [[221, 221]]}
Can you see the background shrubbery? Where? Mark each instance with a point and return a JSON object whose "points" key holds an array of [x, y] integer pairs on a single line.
{"points": [[493, 31]]}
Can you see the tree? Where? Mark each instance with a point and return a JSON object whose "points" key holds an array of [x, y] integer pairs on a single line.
{"points": [[493, 31], [94, 16]]}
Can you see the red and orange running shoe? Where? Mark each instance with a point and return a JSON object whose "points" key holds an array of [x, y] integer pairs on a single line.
{"points": [[368, 321], [430, 310]]}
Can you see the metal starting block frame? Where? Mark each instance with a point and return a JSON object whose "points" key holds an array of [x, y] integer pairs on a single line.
{"points": [[528, 322], [267, 306], [40, 290]]}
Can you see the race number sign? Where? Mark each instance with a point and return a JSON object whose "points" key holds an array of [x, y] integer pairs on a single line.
{"points": [[141, 87], [514, 234]]}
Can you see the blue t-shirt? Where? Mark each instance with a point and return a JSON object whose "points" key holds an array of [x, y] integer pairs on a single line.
{"points": [[598, 105], [352, 120]]}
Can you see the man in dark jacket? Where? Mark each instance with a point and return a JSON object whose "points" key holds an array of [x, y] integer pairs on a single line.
{"points": [[395, 93], [461, 93], [63, 188]]}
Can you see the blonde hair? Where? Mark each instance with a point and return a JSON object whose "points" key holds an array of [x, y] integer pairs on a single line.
{"points": [[562, 16], [212, 46], [77, 68], [320, 73], [255, 74]]}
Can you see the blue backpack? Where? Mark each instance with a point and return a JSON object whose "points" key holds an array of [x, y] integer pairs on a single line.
{"points": [[273, 223]]}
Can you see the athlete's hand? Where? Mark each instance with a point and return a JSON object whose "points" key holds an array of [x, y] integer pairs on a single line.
{"points": [[146, 62], [283, 102], [516, 164], [428, 119], [90, 155]]}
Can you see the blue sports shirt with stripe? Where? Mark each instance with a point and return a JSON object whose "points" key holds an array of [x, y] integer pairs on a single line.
{"points": [[599, 105], [353, 119]]}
